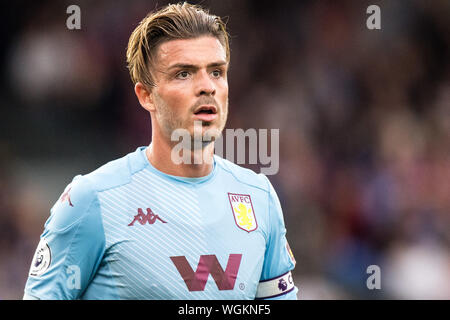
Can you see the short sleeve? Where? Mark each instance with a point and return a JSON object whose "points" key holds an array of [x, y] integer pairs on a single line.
{"points": [[70, 248], [276, 279]]}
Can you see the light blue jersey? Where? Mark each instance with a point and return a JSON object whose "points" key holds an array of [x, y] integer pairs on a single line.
{"points": [[129, 231]]}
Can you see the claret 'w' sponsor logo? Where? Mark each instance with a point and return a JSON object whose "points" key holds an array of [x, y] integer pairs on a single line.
{"points": [[143, 218], [208, 264]]}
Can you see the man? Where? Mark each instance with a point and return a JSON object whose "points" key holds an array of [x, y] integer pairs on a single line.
{"points": [[148, 226]]}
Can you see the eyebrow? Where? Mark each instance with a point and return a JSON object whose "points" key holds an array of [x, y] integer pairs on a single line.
{"points": [[194, 67]]}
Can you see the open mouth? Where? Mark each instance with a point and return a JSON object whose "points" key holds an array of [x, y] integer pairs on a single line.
{"points": [[206, 113], [205, 110]]}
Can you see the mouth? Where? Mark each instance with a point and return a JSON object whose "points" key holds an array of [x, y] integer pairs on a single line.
{"points": [[206, 113], [206, 109]]}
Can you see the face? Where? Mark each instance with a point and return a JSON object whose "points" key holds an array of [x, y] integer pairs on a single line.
{"points": [[191, 85]]}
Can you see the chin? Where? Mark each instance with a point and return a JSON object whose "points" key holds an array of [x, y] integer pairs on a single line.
{"points": [[209, 133]]}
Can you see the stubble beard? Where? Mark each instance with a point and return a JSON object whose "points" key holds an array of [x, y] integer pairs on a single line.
{"points": [[169, 122]]}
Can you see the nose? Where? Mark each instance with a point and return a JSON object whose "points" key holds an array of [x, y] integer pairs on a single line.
{"points": [[205, 85]]}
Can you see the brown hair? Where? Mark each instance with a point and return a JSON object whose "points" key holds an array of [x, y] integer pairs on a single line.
{"points": [[175, 21]]}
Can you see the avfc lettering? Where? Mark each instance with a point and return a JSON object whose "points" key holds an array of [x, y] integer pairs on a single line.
{"points": [[239, 198]]}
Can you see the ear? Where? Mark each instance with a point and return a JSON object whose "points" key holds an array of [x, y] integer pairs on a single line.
{"points": [[144, 96]]}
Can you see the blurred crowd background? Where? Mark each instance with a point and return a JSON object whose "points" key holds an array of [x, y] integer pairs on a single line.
{"points": [[364, 120]]}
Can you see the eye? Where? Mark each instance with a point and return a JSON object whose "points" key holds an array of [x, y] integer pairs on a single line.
{"points": [[217, 73], [182, 75]]}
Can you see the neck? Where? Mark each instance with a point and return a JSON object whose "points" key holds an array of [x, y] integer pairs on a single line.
{"points": [[200, 162]]}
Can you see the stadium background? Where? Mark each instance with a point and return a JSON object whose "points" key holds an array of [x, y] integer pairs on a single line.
{"points": [[364, 119]]}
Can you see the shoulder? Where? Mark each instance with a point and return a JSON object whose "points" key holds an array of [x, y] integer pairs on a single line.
{"points": [[80, 197], [244, 175], [113, 174], [116, 172]]}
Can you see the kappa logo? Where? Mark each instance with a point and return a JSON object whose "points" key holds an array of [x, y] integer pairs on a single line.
{"points": [[244, 214], [143, 218]]}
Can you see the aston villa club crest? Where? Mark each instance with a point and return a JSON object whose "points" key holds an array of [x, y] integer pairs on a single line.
{"points": [[244, 214]]}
